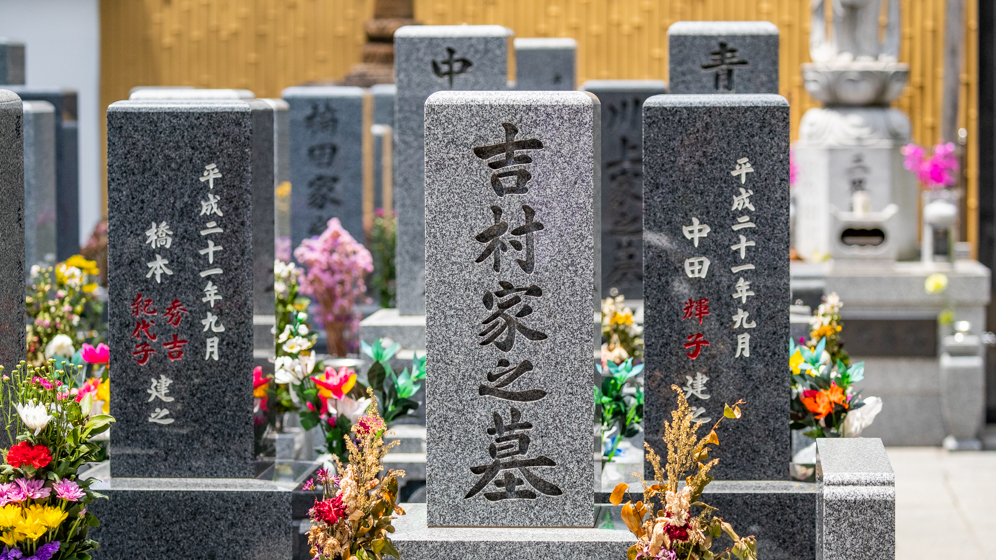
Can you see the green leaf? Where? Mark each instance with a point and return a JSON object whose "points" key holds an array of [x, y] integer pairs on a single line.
{"points": [[376, 376]]}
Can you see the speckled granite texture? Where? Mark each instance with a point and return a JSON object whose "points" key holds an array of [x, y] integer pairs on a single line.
{"points": [[190, 518], [545, 64], [622, 181], [12, 273], [478, 330], [326, 158], [11, 63], [479, 61], [67, 156], [415, 541], [692, 145], [39, 183], [723, 57], [856, 506], [158, 152]]}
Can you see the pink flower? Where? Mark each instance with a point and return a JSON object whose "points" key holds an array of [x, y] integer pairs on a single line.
{"points": [[68, 490], [938, 171], [99, 355], [88, 388], [33, 489], [10, 493], [336, 264]]}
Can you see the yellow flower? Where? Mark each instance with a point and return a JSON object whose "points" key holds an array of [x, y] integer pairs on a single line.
{"points": [[87, 288], [624, 318], [80, 262], [8, 537], [104, 394], [32, 526], [10, 515], [51, 517], [936, 283], [795, 361]]}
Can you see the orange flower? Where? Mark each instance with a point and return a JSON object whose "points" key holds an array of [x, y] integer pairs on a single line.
{"points": [[821, 402]]}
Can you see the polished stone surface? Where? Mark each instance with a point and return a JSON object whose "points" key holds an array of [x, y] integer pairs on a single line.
{"points": [[185, 410], [428, 59], [11, 62], [511, 282], [326, 160], [622, 181], [12, 273], [545, 63], [264, 160], [693, 146], [723, 57], [40, 206]]}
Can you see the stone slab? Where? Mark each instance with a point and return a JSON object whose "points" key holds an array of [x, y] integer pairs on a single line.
{"points": [[722, 57], [417, 541], [383, 115], [406, 330], [326, 160], [545, 63], [622, 181], [40, 207], [264, 160], [416, 48], [12, 269], [167, 162], [693, 146], [205, 518], [511, 282], [187, 93], [11, 62], [383, 95]]}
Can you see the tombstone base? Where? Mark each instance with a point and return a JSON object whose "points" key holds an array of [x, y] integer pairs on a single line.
{"points": [[415, 541], [234, 519], [406, 330]]}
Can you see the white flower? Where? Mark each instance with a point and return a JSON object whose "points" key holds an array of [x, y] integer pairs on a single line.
{"points": [[280, 288], [61, 345], [351, 408], [35, 271], [296, 345], [302, 330], [34, 416], [285, 334], [859, 419], [285, 370]]}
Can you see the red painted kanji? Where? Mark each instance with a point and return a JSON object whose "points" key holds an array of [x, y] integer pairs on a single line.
{"points": [[143, 326], [697, 308], [142, 353], [142, 306], [694, 345], [174, 348], [174, 313]]}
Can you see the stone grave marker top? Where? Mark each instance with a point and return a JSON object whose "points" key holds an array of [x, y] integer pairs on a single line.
{"points": [[545, 63], [177, 93], [723, 57], [11, 62], [716, 256], [511, 284]]}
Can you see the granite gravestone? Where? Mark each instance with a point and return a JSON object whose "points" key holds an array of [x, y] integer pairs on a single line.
{"points": [[326, 160], [281, 176], [722, 57], [383, 133], [67, 196], [12, 273], [622, 181], [512, 275], [184, 179], [716, 261], [11, 62], [39, 183], [545, 64], [430, 59]]}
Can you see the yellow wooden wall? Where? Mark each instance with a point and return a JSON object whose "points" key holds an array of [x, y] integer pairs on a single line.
{"points": [[267, 45]]}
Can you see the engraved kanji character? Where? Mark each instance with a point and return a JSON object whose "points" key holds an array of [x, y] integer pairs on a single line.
{"points": [[211, 227], [742, 201], [696, 267], [174, 348], [695, 231], [502, 320], [142, 352], [743, 222], [160, 389], [158, 267], [697, 412], [209, 250], [450, 67], [323, 190], [696, 386], [740, 320], [210, 206], [512, 441], [742, 246], [722, 62], [159, 417], [743, 345], [159, 235], [694, 344], [210, 174], [142, 326], [321, 118], [505, 377], [493, 238], [697, 308], [743, 168], [142, 307], [211, 322], [323, 154], [211, 294], [505, 156], [211, 349], [174, 313], [743, 290]]}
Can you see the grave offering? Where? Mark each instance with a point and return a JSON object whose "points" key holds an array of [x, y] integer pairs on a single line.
{"points": [[39, 184], [326, 160], [545, 64], [184, 181], [722, 57], [11, 62], [622, 181], [12, 272]]}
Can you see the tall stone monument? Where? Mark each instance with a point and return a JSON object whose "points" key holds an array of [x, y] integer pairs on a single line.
{"points": [[11, 62], [377, 66], [545, 63], [722, 57], [12, 271], [622, 181], [39, 183]]}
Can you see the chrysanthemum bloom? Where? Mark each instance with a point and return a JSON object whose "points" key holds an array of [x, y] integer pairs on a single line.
{"points": [[68, 490], [34, 489], [60, 345], [329, 511], [24, 453], [34, 416], [9, 516]]}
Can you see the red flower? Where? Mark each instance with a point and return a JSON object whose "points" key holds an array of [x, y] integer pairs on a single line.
{"points": [[679, 534], [369, 425], [328, 511], [24, 453]]}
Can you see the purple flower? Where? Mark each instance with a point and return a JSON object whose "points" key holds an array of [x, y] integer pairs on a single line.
{"points": [[10, 493], [11, 554], [33, 489], [68, 490], [46, 551]]}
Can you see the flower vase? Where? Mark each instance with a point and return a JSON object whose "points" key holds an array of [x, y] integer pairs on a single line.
{"points": [[940, 224], [342, 336]]}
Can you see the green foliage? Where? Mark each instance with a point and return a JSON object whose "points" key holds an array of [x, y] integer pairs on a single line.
{"points": [[619, 404], [393, 391], [383, 236]]}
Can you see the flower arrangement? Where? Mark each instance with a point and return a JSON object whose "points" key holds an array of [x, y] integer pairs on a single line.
{"points": [[43, 503], [621, 336], [938, 171], [618, 404], [394, 391], [673, 532], [383, 237], [96, 249], [353, 518], [62, 310], [825, 324], [336, 265]]}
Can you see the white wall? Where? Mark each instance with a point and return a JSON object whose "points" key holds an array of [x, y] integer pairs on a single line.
{"points": [[62, 49]]}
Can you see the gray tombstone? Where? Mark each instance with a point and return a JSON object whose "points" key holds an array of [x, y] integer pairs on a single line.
{"points": [[39, 183], [11, 62], [430, 59], [67, 195], [512, 277], [383, 132], [326, 160], [12, 272], [722, 57], [716, 261], [184, 183], [281, 176], [545, 64], [383, 99], [622, 181]]}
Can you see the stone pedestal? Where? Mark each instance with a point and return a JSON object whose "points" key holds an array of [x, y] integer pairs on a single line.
{"points": [[406, 330]]}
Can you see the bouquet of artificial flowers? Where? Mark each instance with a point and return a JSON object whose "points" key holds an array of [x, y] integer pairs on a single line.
{"points": [[673, 532], [353, 518], [51, 424]]}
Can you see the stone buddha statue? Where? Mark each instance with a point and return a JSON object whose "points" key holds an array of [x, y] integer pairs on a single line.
{"points": [[855, 32]]}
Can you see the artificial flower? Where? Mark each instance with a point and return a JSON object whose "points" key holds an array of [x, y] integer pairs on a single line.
{"points": [[99, 355], [68, 490], [624, 318], [9, 515], [33, 489], [335, 383], [677, 505], [60, 345], [45, 551], [351, 408], [296, 345], [9, 538], [90, 387], [34, 416], [860, 418], [821, 403], [287, 371], [369, 425], [936, 283], [797, 360], [259, 383]]}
